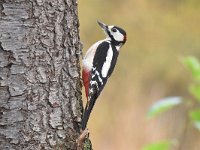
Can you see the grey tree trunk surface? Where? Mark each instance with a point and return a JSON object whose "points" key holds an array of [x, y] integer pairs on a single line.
{"points": [[40, 86]]}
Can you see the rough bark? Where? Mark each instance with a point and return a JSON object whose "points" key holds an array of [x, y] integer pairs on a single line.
{"points": [[40, 89]]}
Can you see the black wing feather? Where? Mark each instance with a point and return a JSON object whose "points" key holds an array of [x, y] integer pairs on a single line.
{"points": [[96, 88]]}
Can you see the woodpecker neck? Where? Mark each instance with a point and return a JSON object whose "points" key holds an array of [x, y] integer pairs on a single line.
{"points": [[118, 47], [113, 41], [116, 44]]}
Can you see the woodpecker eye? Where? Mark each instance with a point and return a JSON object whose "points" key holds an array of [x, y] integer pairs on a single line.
{"points": [[114, 30]]}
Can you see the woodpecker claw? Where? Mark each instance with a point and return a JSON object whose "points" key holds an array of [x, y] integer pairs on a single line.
{"points": [[85, 134]]}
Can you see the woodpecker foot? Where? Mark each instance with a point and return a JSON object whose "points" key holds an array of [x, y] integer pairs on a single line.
{"points": [[82, 137]]}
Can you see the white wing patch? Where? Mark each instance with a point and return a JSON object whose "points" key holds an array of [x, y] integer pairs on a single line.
{"points": [[107, 63], [96, 73]]}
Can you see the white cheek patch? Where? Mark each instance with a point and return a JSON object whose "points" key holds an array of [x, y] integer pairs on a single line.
{"points": [[118, 36], [107, 63]]}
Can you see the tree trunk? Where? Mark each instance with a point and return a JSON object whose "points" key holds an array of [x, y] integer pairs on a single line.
{"points": [[40, 87]]}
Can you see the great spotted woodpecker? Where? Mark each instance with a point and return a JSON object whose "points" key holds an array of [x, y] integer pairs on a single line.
{"points": [[98, 65]]}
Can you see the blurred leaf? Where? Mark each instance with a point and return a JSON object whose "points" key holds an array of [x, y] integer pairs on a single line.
{"points": [[197, 125], [163, 145], [195, 117], [193, 65], [163, 105], [195, 91]]}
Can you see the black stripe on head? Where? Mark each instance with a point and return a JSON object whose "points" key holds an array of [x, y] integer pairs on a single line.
{"points": [[120, 30]]}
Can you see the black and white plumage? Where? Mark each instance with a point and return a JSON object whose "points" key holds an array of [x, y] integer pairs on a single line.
{"points": [[98, 65]]}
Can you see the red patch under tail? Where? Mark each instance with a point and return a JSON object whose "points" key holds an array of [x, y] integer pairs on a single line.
{"points": [[86, 76]]}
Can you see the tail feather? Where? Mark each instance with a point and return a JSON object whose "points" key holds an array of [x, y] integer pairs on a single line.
{"points": [[87, 112]]}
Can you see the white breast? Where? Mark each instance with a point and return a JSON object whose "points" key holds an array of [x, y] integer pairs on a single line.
{"points": [[89, 56]]}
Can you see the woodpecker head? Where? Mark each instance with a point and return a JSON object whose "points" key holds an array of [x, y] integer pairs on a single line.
{"points": [[116, 34]]}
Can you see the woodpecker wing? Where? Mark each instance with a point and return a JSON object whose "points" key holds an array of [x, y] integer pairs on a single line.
{"points": [[103, 65], [87, 65]]}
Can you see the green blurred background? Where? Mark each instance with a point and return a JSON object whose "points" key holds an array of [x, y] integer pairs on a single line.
{"points": [[159, 34]]}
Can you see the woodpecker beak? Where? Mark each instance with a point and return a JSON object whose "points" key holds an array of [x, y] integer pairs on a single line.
{"points": [[103, 26]]}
